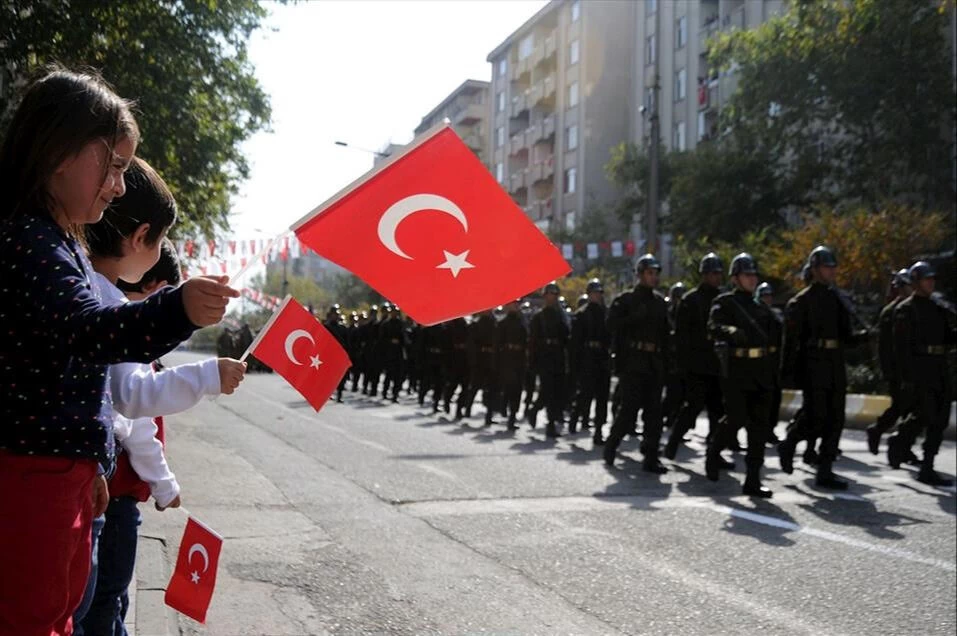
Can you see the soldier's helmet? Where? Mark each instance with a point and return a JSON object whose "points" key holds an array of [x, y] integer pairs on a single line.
{"points": [[710, 262], [648, 261], [374, 309], [594, 285], [822, 256], [743, 263], [764, 289], [901, 279], [551, 288], [677, 291], [921, 270], [562, 301], [582, 301], [336, 308], [386, 307], [806, 273]]}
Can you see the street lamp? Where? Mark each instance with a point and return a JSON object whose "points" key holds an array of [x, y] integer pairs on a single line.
{"points": [[379, 155]]}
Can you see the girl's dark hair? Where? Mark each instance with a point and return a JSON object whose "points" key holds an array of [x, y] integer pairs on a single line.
{"points": [[167, 268], [59, 114], [147, 200]]}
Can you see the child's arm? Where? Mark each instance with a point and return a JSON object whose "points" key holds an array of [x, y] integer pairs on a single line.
{"points": [[147, 458], [138, 391]]}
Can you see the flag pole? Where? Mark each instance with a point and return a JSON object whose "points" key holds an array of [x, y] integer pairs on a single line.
{"points": [[252, 261], [262, 332]]}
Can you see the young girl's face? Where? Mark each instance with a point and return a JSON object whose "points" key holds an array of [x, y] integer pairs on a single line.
{"points": [[78, 187]]}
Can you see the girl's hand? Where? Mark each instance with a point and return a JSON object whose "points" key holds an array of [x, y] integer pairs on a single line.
{"points": [[205, 299], [101, 495]]}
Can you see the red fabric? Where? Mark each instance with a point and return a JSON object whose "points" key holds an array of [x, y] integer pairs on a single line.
{"points": [[47, 512], [312, 361], [191, 587], [477, 251], [125, 482]]}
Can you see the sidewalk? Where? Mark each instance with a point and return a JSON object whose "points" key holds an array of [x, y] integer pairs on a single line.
{"points": [[148, 614]]}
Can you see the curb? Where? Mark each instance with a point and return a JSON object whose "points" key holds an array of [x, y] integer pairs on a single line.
{"points": [[860, 411], [148, 614]]}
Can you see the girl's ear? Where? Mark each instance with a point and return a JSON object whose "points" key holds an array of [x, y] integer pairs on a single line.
{"points": [[138, 238]]}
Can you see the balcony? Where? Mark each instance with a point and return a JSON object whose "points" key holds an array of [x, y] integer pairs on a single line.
{"points": [[468, 114], [516, 182], [548, 86], [705, 34], [708, 95], [734, 20], [540, 131], [529, 210], [538, 54], [473, 141], [535, 95], [540, 171], [519, 104], [517, 144], [543, 208], [551, 46]]}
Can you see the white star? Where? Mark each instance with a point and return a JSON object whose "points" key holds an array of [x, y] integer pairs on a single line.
{"points": [[195, 577], [314, 362], [455, 262]]}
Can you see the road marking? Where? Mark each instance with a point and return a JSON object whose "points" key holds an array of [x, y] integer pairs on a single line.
{"points": [[436, 471]]}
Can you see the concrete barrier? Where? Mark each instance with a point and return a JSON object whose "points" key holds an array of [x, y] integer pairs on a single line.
{"points": [[859, 410]]}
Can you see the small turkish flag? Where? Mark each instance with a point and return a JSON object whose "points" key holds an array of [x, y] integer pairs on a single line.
{"points": [[191, 587], [434, 233], [296, 346]]}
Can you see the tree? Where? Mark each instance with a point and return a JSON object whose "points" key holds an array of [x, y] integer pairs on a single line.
{"points": [[306, 290], [183, 62], [350, 291], [629, 168], [855, 97]]}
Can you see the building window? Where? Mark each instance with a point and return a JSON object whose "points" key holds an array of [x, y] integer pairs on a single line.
{"points": [[702, 126], [573, 51], [502, 67], [651, 6], [500, 102], [681, 32], [678, 142], [651, 50], [681, 90], [570, 176], [526, 46], [573, 94], [500, 136], [576, 10], [500, 172], [571, 137], [570, 221]]}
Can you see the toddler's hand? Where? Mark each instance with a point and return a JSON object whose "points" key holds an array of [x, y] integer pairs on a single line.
{"points": [[173, 504], [231, 373], [205, 299]]}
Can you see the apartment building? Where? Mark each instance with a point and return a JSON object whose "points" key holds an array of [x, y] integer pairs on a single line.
{"points": [[561, 96], [467, 108], [673, 46]]}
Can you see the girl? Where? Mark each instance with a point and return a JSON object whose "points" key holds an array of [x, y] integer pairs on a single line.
{"points": [[61, 164]]}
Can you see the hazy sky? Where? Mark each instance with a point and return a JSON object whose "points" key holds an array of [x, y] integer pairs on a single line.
{"points": [[363, 72]]}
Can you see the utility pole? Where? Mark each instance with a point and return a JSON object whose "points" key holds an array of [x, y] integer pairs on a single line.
{"points": [[655, 146]]}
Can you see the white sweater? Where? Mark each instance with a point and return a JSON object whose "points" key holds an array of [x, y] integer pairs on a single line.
{"points": [[140, 394]]}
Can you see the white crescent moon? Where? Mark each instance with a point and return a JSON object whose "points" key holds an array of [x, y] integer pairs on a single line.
{"points": [[399, 210], [199, 547], [291, 340]]}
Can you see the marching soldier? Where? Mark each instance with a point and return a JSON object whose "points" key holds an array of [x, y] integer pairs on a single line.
{"points": [[589, 351], [391, 345], [901, 287], [482, 364], [511, 342], [455, 371], [697, 362], [765, 295], [431, 353], [548, 339], [638, 323], [354, 349], [334, 326], [817, 330], [370, 346], [924, 330], [674, 385], [745, 331]]}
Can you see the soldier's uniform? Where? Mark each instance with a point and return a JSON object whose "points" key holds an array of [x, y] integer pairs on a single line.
{"points": [[924, 332], [511, 343], [547, 343], [746, 332], [370, 350], [334, 326], [817, 331], [591, 361], [482, 365], [674, 382], [391, 347], [765, 292], [456, 364], [638, 322], [696, 358], [431, 352]]}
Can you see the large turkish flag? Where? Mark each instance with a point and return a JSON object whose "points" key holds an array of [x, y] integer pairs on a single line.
{"points": [[296, 346], [434, 233]]}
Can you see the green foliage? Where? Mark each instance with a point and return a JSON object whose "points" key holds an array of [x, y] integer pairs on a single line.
{"points": [[306, 290], [629, 168], [855, 97], [184, 63], [689, 250], [350, 291]]}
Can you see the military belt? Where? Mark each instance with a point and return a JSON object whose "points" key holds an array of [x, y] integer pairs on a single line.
{"points": [[753, 352], [552, 341], [434, 350], [647, 347], [487, 349], [932, 350], [514, 347], [395, 341], [826, 344], [595, 344]]}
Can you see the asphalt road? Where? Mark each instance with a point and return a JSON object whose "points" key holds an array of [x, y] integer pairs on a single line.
{"points": [[374, 517]]}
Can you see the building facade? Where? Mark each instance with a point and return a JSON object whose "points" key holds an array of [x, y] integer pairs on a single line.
{"points": [[561, 97], [467, 110]]}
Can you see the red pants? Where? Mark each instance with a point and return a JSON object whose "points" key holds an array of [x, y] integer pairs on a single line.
{"points": [[45, 517]]}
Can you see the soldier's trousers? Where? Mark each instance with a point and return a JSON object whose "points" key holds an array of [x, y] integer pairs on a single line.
{"points": [[485, 382], [824, 418], [639, 392], [371, 378], [892, 413], [747, 408], [431, 380], [932, 410], [674, 397], [700, 391], [593, 385], [553, 394], [456, 376], [774, 413], [511, 394], [393, 378]]}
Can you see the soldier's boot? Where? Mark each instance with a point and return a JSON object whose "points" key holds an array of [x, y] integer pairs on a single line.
{"points": [[912, 459], [511, 422], [573, 424], [531, 414], [827, 479], [810, 457], [459, 413], [551, 430], [674, 439], [931, 477], [786, 450], [712, 463], [873, 439], [608, 453], [488, 417], [652, 464], [896, 451], [752, 482], [596, 437]]}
